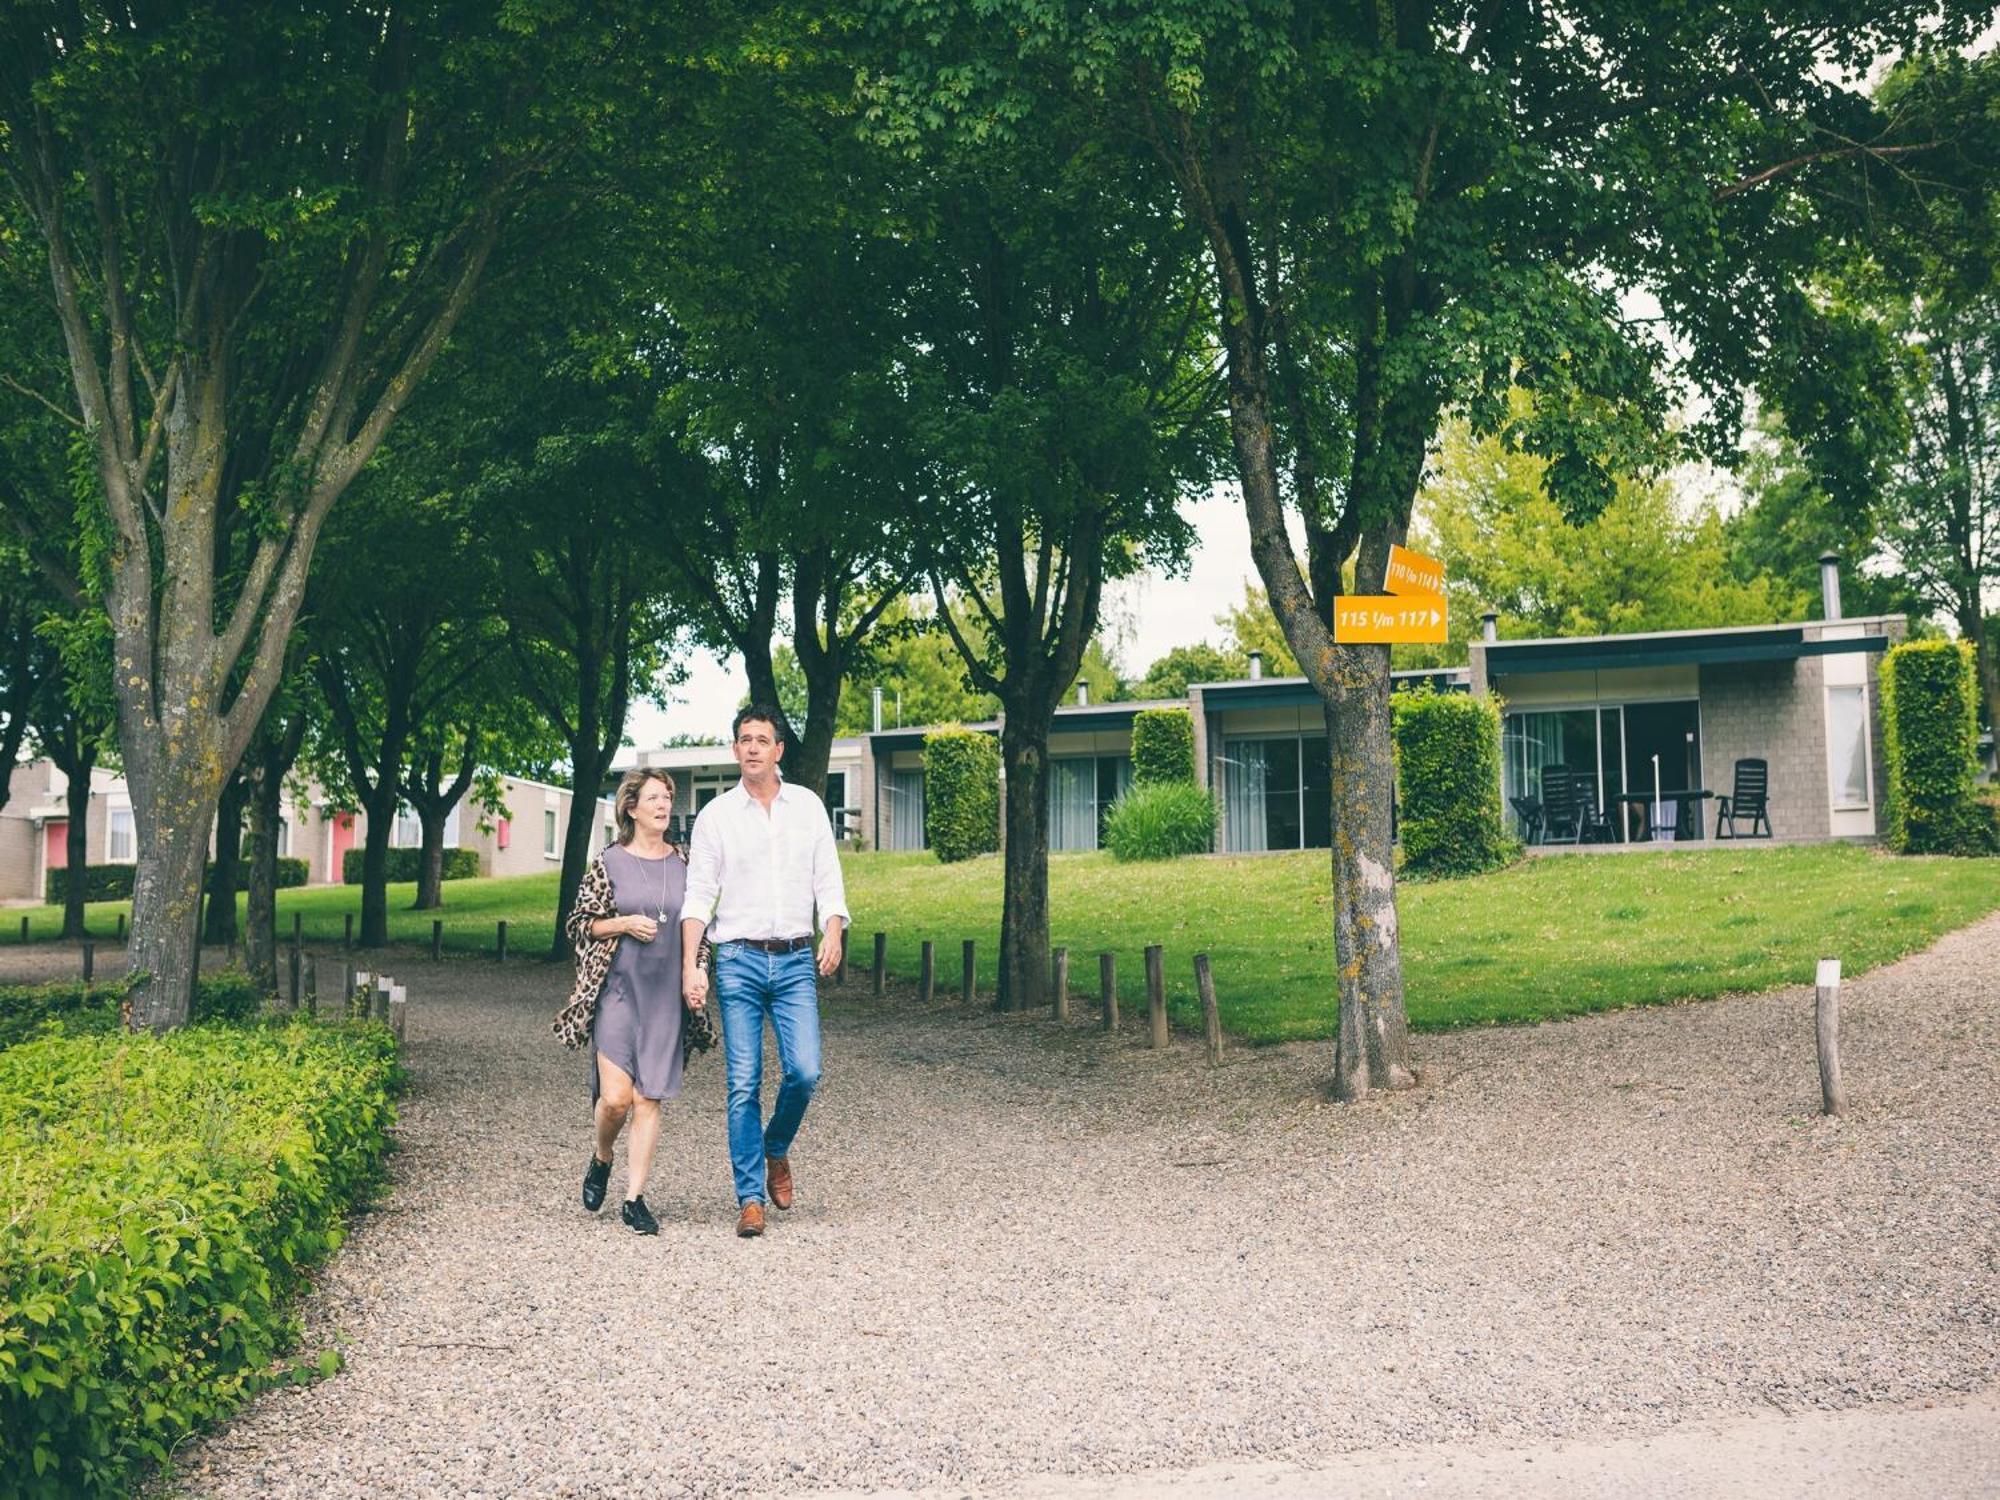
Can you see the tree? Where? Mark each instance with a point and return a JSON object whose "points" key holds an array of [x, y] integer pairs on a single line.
{"points": [[276, 748], [911, 659], [1413, 210], [1253, 626], [261, 225], [27, 660], [1172, 674]]}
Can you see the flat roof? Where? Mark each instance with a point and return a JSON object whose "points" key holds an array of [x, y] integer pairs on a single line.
{"points": [[1718, 646], [1290, 692]]}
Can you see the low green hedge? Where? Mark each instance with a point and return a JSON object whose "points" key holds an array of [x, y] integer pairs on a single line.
{"points": [[80, 1009], [1447, 749], [1162, 745], [163, 1196], [459, 864], [1161, 820], [1930, 728], [961, 794], [114, 882]]}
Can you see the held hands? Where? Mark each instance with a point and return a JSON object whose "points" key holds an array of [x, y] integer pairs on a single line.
{"points": [[694, 986]]}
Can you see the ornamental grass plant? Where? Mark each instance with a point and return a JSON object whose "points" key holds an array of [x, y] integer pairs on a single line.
{"points": [[1161, 820]]}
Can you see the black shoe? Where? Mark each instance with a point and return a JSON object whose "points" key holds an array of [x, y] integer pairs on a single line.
{"points": [[596, 1177], [639, 1218]]}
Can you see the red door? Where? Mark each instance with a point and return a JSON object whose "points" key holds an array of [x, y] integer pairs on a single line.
{"points": [[343, 840], [57, 834]]}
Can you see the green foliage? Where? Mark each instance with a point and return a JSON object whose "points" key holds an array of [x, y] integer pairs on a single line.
{"points": [[77, 1008], [1448, 780], [961, 794], [100, 883], [459, 864], [1930, 729], [912, 659], [1253, 626], [164, 1197], [1162, 745], [1174, 673], [1161, 820]]}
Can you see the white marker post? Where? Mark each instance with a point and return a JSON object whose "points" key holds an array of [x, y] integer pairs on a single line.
{"points": [[1826, 1011]]}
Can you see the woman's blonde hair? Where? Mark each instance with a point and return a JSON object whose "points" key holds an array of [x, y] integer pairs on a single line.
{"points": [[630, 785]]}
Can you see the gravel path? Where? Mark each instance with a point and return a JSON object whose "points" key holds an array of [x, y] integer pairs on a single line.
{"points": [[1023, 1253]]}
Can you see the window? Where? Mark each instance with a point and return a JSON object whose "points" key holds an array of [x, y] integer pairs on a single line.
{"points": [[906, 810], [1613, 746], [121, 850], [1847, 746], [549, 846], [1278, 793], [284, 837], [408, 832], [1081, 791], [837, 811], [504, 835]]}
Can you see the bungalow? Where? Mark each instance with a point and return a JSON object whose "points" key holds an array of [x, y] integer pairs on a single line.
{"points": [[1645, 733]]}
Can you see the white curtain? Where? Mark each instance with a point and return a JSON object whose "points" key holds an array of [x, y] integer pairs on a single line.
{"points": [[1073, 804], [906, 809], [1246, 773]]}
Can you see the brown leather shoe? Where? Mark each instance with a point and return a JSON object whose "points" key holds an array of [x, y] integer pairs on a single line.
{"points": [[778, 1181], [750, 1223]]}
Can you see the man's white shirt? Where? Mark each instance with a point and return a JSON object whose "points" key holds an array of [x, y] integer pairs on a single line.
{"points": [[763, 873]]}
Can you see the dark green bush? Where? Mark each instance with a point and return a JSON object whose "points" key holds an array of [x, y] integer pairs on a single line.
{"points": [[164, 1196], [291, 873], [100, 883], [1930, 701], [1448, 780], [1161, 820], [79, 1009], [459, 864], [961, 793], [1162, 745]]}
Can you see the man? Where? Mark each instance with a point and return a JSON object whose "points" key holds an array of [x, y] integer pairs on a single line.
{"points": [[761, 859]]}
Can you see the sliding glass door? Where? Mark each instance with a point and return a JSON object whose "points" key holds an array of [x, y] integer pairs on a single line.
{"points": [[1081, 791], [1277, 793]]}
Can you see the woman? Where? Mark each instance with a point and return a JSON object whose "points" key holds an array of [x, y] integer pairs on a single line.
{"points": [[626, 929]]}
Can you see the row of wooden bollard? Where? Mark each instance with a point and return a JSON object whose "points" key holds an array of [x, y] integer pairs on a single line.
{"points": [[1107, 985]]}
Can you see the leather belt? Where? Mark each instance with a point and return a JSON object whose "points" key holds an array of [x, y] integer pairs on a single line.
{"points": [[774, 945]]}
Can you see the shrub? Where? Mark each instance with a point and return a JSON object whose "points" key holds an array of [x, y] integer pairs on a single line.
{"points": [[291, 873], [1161, 820], [80, 1009], [1162, 745], [961, 793], [100, 883], [1931, 732], [163, 1197], [1448, 778], [459, 864]]}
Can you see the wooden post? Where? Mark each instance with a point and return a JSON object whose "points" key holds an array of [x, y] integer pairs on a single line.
{"points": [[348, 937], [298, 925], [1156, 992], [89, 960], [966, 986], [1107, 985], [437, 939], [1060, 984], [500, 941], [312, 986], [399, 1013], [1826, 1012], [121, 927], [292, 970], [881, 961], [927, 980], [24, 929], [1211, 1017]]}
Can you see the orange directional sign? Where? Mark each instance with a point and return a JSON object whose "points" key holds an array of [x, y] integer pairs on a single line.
{"points": [[1359, 618], [1413, 574]]}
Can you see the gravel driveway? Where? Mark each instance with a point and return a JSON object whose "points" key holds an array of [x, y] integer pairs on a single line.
{"points": [[1019, 1251]]}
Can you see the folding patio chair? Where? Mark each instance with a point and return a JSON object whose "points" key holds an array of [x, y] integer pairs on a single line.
{"points": [[1748, 802], [1562, 811]]}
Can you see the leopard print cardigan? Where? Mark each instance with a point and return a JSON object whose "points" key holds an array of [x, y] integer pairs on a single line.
{"points": [[596, 901]]}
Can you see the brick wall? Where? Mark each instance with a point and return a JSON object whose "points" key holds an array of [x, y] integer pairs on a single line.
{"points": [[1772, 710]]}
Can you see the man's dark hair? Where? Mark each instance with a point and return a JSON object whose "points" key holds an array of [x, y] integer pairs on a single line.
{"points": [[762, 711]]}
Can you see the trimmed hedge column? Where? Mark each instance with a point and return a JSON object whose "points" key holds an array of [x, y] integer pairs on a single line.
{"points": [[961, 793], [1448, 780], [1930, 716], [1162, 745]]}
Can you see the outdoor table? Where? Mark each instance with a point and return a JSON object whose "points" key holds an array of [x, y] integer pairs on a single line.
{"points": [[1687, 810]]}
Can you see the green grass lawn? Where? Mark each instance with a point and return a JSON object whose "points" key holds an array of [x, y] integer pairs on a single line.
{"points": [[1545, 938]]}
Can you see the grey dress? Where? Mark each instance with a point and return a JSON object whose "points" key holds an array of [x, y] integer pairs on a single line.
{"points": [[639, 1011]]}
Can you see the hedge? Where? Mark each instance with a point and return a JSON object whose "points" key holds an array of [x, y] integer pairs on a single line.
{"points": [[1162, 745], [164, 1196], [459, 864], [77, 1008], [961, 793], [1930, 715], [1448, 778], [114, 882], [1161, 820]]}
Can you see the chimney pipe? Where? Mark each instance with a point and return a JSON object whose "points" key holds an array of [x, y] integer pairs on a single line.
{"points": [[1489, 626], [876, 696], [1829, 584], [1083, 694], [1256, 665]]}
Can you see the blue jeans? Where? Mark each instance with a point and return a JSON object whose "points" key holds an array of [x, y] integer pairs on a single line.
{"points": [[749, 986]]}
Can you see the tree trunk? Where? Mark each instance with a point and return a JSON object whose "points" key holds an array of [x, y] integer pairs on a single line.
{"points": [[381, 810], [173, 807], [219, 926], [1024, 912], [806, 761], [260, 940], [82, 757], [580, 837], [1977, 629], [430, 863]]}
